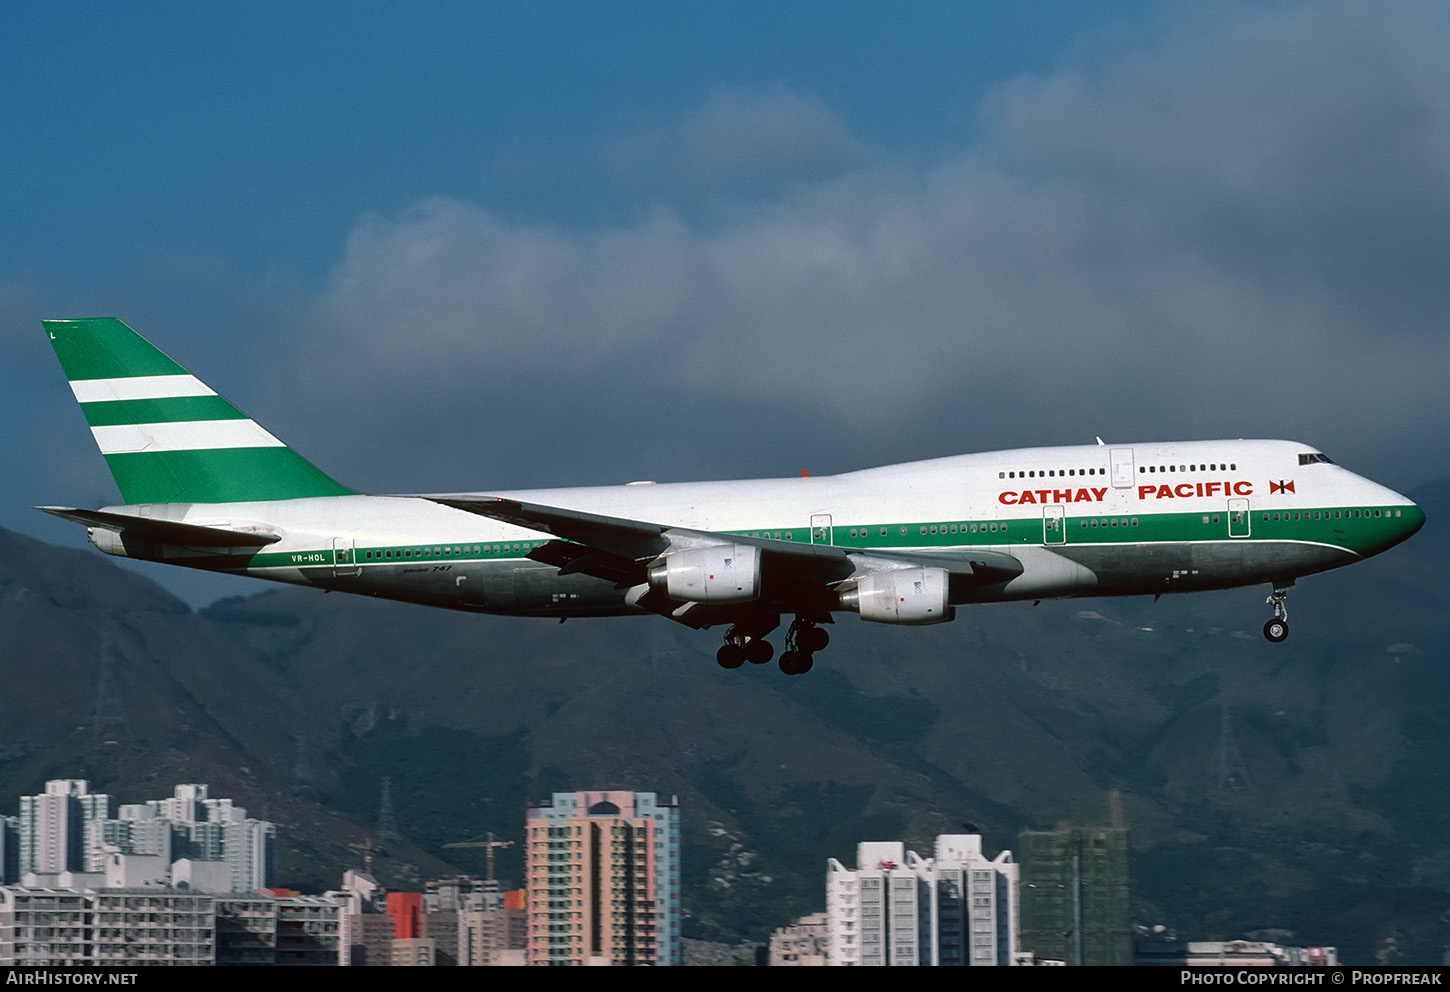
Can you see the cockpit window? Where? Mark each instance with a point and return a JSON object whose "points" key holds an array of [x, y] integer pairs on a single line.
{"points": [[1315, 458]]}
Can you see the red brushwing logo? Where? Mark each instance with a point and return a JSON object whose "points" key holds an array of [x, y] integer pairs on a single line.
{"points": [[1282, 486]]}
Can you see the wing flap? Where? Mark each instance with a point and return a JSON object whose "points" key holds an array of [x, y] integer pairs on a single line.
{"points": [[571, 559], [982, 567]]}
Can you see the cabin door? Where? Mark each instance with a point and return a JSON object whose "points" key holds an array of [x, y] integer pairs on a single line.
{"points": [[1053, 530], [1120, 464], [344, 557], [1238, 518]]}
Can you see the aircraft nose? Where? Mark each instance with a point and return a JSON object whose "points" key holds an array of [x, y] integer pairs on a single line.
{"points": [[1411, 518], [1396, 519]]}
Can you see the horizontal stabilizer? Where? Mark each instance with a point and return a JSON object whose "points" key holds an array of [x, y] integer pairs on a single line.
{"points": [[164, 531]]}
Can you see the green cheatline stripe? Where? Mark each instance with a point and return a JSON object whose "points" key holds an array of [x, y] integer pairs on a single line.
{"points": [[169, 410], [105, 348], [400, 554], [1359, 535], [219, 475], [1363, 534]]}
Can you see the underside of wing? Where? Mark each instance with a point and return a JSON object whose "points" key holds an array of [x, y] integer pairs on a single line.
{"points": [[701, 578]]}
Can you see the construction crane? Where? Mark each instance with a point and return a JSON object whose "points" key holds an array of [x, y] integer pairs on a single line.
{"points": [[368, 850], [490, 843]]}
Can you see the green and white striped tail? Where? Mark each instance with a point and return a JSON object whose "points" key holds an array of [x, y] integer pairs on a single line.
{"points": [[166, 435]]}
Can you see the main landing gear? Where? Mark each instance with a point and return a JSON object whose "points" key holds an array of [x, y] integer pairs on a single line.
{"points": [[740, 648], [802, 640], [1278, 628], [747, 643]]}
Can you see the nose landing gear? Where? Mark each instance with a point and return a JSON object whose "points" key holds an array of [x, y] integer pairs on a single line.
{"points": [[1277, 629]]}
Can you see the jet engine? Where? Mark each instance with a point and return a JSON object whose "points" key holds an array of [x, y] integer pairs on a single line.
{"points": [[725, 573], [108, 541], [915, 596]]}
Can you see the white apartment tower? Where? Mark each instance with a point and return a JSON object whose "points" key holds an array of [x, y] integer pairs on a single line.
{"points": [[194, 826], [899, 909], [70, 829], [54, 827]]}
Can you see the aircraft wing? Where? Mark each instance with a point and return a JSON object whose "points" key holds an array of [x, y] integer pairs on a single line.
{"points": [[614, 535], [165, 531], [795, 577]]}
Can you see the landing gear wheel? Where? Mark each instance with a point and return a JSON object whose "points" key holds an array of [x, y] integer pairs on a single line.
{"points": [[1278, 628], [730, 656], [745, 641], [802, 640], [795, 662], [759, 651]]}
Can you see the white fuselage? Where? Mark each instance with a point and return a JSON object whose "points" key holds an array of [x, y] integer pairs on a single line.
{"points": [[1093, 519]]}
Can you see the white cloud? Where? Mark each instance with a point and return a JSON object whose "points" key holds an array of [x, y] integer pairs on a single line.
{"points": [[1302, 142], [1203, 238], [739, 139]]}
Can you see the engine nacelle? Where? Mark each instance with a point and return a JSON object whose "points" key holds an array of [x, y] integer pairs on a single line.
{"points": [[727, 573], [904, 595], [108, 540]]}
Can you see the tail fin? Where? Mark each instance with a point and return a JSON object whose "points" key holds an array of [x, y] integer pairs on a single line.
{"points": [[166, 436]]}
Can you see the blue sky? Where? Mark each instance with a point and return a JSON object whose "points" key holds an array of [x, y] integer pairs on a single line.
{"points": [[261, 133], [478, 246]]}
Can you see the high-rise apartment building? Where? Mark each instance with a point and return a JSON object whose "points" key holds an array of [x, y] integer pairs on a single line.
{"points": [[109, 926], [192, 825], [603, 879], [492, 928], [897, 908], [70, 829], [55, 826], [1076, 895], [9, 849]]}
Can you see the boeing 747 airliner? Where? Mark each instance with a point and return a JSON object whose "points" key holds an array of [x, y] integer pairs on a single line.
{"points": [[206, 487]]}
